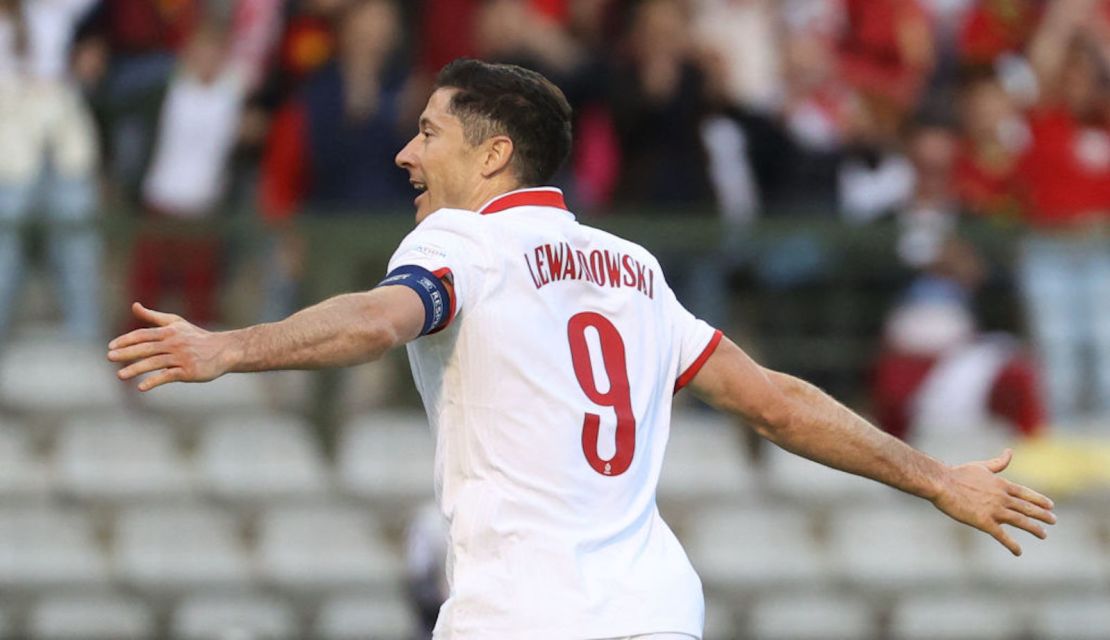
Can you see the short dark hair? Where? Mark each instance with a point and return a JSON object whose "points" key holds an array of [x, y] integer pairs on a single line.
{"points": [[504, 99]]}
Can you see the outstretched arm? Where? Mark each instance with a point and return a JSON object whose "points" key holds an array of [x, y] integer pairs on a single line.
{"points": [[1063, 21], [804, 420], [340, 331]]}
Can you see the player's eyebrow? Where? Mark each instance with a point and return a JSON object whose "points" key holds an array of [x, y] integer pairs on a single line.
{"points": [[426, 123]]}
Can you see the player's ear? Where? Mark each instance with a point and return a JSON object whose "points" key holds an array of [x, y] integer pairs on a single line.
{"points": [[497, 154]]}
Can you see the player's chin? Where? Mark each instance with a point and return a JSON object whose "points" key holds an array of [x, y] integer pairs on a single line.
{"points": [[423, 208]]}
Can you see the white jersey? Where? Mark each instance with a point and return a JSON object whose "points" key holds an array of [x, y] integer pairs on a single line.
{"points": [[549, 392]]}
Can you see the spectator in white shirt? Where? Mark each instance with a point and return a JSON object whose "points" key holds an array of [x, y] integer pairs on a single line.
{"points": [[49, 159]]}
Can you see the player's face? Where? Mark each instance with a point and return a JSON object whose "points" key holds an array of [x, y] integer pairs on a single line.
{"points": [[443, 167]]}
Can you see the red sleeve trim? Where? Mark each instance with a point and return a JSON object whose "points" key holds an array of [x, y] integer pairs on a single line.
{"points": [[694, 368], [448, 279]]}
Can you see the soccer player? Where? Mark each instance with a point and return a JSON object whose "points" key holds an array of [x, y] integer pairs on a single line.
{"points": [[547, 354]]}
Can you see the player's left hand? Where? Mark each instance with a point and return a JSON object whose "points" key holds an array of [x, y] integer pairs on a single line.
{"points": [[974, 494], [175, 349]]}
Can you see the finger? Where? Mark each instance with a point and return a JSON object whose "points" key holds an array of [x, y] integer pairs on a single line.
{"points": [[1025, 493], [1026, 524], [1000, 535], [137, 336], [145, 366], [154, 317], [161, 378], [1027, 508], [996, 465], [134, 352]]}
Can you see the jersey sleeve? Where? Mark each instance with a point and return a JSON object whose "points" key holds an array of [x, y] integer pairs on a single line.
{"points": [[442, 260], [694, 340]]}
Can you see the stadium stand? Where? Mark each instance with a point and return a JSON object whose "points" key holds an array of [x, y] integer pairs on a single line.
{"points": [[801, 616], [91, 616], [354, 616], [974, 442], [49, 547], [1074, 562], [701, 463], [260, 457], [796, 479], [745, 550], [720, 618], [7, 624], [957, 616], [387, 457], [234, 615], [1084, 617], [885, 549], [234, 393], [47, 374], [173, 549], [254, 538], [119, 457], [23, 475], [324, 549]]}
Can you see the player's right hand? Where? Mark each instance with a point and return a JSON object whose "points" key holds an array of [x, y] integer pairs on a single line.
{"points": [[174, 349], [974, 494]]}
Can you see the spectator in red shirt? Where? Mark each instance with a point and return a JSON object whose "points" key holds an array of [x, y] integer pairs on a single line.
{"points": [[886, 49], [938, 372], [994, 138], [996, 27], [1065, 172]]}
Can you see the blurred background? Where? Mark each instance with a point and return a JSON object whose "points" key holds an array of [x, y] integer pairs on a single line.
{"points": [[906, 202]]}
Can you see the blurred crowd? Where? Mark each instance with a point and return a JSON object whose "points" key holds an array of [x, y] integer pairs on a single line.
{"points": [[916, 113]]}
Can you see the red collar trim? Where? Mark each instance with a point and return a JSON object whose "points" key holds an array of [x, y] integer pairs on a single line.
{"points": [[537, 197]]}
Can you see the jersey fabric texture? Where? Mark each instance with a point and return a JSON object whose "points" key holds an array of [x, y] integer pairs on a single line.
{"points": [[549, 391]]}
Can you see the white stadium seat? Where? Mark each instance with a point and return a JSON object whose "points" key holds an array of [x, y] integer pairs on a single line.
{"points": [[365, 617], [387, 455], [720, 619], [44, 547], [957, 447], [228, 616], [120, 456], [23, 475], [234, 392], [803, 481], [1071, 559], [753, 549], [261, 457], [322, 548], [53, 374], [705, 461], [895, 547], [102, 616], [958, 616], [1075, 617], [810, 616], [175, 548], [8, 625]]}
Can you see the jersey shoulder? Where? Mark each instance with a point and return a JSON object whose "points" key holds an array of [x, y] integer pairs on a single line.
{"points": [[450, 226], [459, 220], [625, 246]]}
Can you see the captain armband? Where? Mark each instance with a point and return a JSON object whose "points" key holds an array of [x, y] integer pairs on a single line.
{"points": [[434, 289]]}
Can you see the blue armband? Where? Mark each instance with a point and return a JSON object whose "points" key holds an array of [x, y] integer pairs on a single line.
{"points": [[438, 299]]}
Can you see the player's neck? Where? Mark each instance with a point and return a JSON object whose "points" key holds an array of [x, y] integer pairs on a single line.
{"points": [[489, 190]]}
